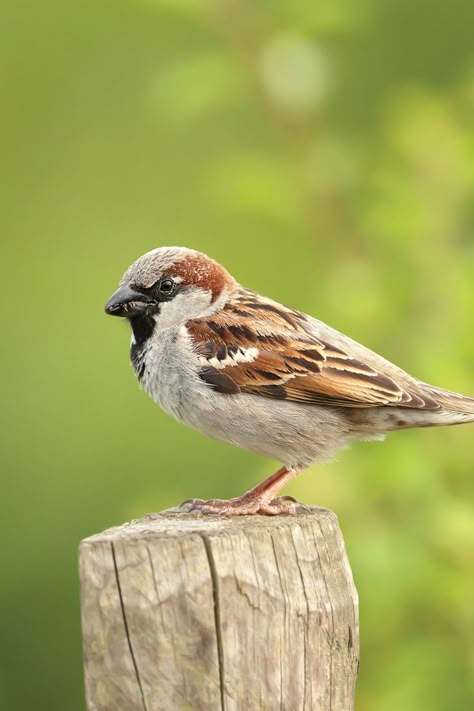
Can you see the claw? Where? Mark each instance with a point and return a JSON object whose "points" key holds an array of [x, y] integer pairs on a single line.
{"points": [[189, 504], [287, 505]]}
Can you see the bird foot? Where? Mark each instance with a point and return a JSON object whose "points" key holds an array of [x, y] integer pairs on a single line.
{"points": [[245, 506]]}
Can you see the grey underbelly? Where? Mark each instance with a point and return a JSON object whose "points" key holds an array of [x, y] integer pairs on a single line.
{"points": [[291, 433]]}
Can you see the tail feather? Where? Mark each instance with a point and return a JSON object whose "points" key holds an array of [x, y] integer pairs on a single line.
{"points": [[453, 401], [456, 408]]}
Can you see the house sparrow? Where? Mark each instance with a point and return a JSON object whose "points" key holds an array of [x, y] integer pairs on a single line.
{"points": [[244, 369]]}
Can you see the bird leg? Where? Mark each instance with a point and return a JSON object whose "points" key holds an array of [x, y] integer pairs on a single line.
{"points": [[259, 500]]}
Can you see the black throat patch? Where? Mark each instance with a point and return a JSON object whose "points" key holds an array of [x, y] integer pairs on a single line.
{"points": [[142, 327]]}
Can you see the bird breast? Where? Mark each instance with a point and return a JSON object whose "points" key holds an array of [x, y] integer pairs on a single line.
{"points": [[292, 433]]}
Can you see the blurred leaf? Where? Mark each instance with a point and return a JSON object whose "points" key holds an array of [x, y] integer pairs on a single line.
{"points": [[191, 89], [254, 183]]}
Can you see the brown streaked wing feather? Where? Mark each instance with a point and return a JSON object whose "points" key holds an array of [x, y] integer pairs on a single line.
{"points": [[288, 363]]}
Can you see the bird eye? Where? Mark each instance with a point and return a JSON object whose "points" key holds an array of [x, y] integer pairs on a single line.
{"points": [[167, 286]]}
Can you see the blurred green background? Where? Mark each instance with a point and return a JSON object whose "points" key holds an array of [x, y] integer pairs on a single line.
{"points": [[324, 152]]}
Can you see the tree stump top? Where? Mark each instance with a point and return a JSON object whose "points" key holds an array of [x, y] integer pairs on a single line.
{"points": [[174, 522]]}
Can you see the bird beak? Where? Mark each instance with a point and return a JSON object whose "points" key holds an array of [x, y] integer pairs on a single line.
{"points": [[128, 302]]}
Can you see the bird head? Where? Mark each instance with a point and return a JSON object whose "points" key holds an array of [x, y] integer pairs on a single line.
{"points": [[170, 285]]}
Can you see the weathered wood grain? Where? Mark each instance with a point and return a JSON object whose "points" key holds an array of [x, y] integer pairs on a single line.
{"points": [[186, 612]]}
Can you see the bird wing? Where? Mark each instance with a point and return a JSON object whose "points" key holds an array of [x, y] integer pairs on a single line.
{"points": [[254, 345]]}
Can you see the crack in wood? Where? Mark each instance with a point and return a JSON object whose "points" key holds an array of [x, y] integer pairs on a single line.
{"points": [[328, 592], [305, 647], [217, 616], [286, 612], [125, 624]]}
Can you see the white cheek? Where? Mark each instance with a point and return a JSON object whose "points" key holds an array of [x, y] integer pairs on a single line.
{"points": [[184, 306]]}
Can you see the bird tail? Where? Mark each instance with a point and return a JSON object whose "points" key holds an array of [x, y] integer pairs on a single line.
{"points": [[455, 408]]}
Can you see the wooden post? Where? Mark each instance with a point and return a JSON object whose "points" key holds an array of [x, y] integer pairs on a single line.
{"points": [[181, 611]]}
